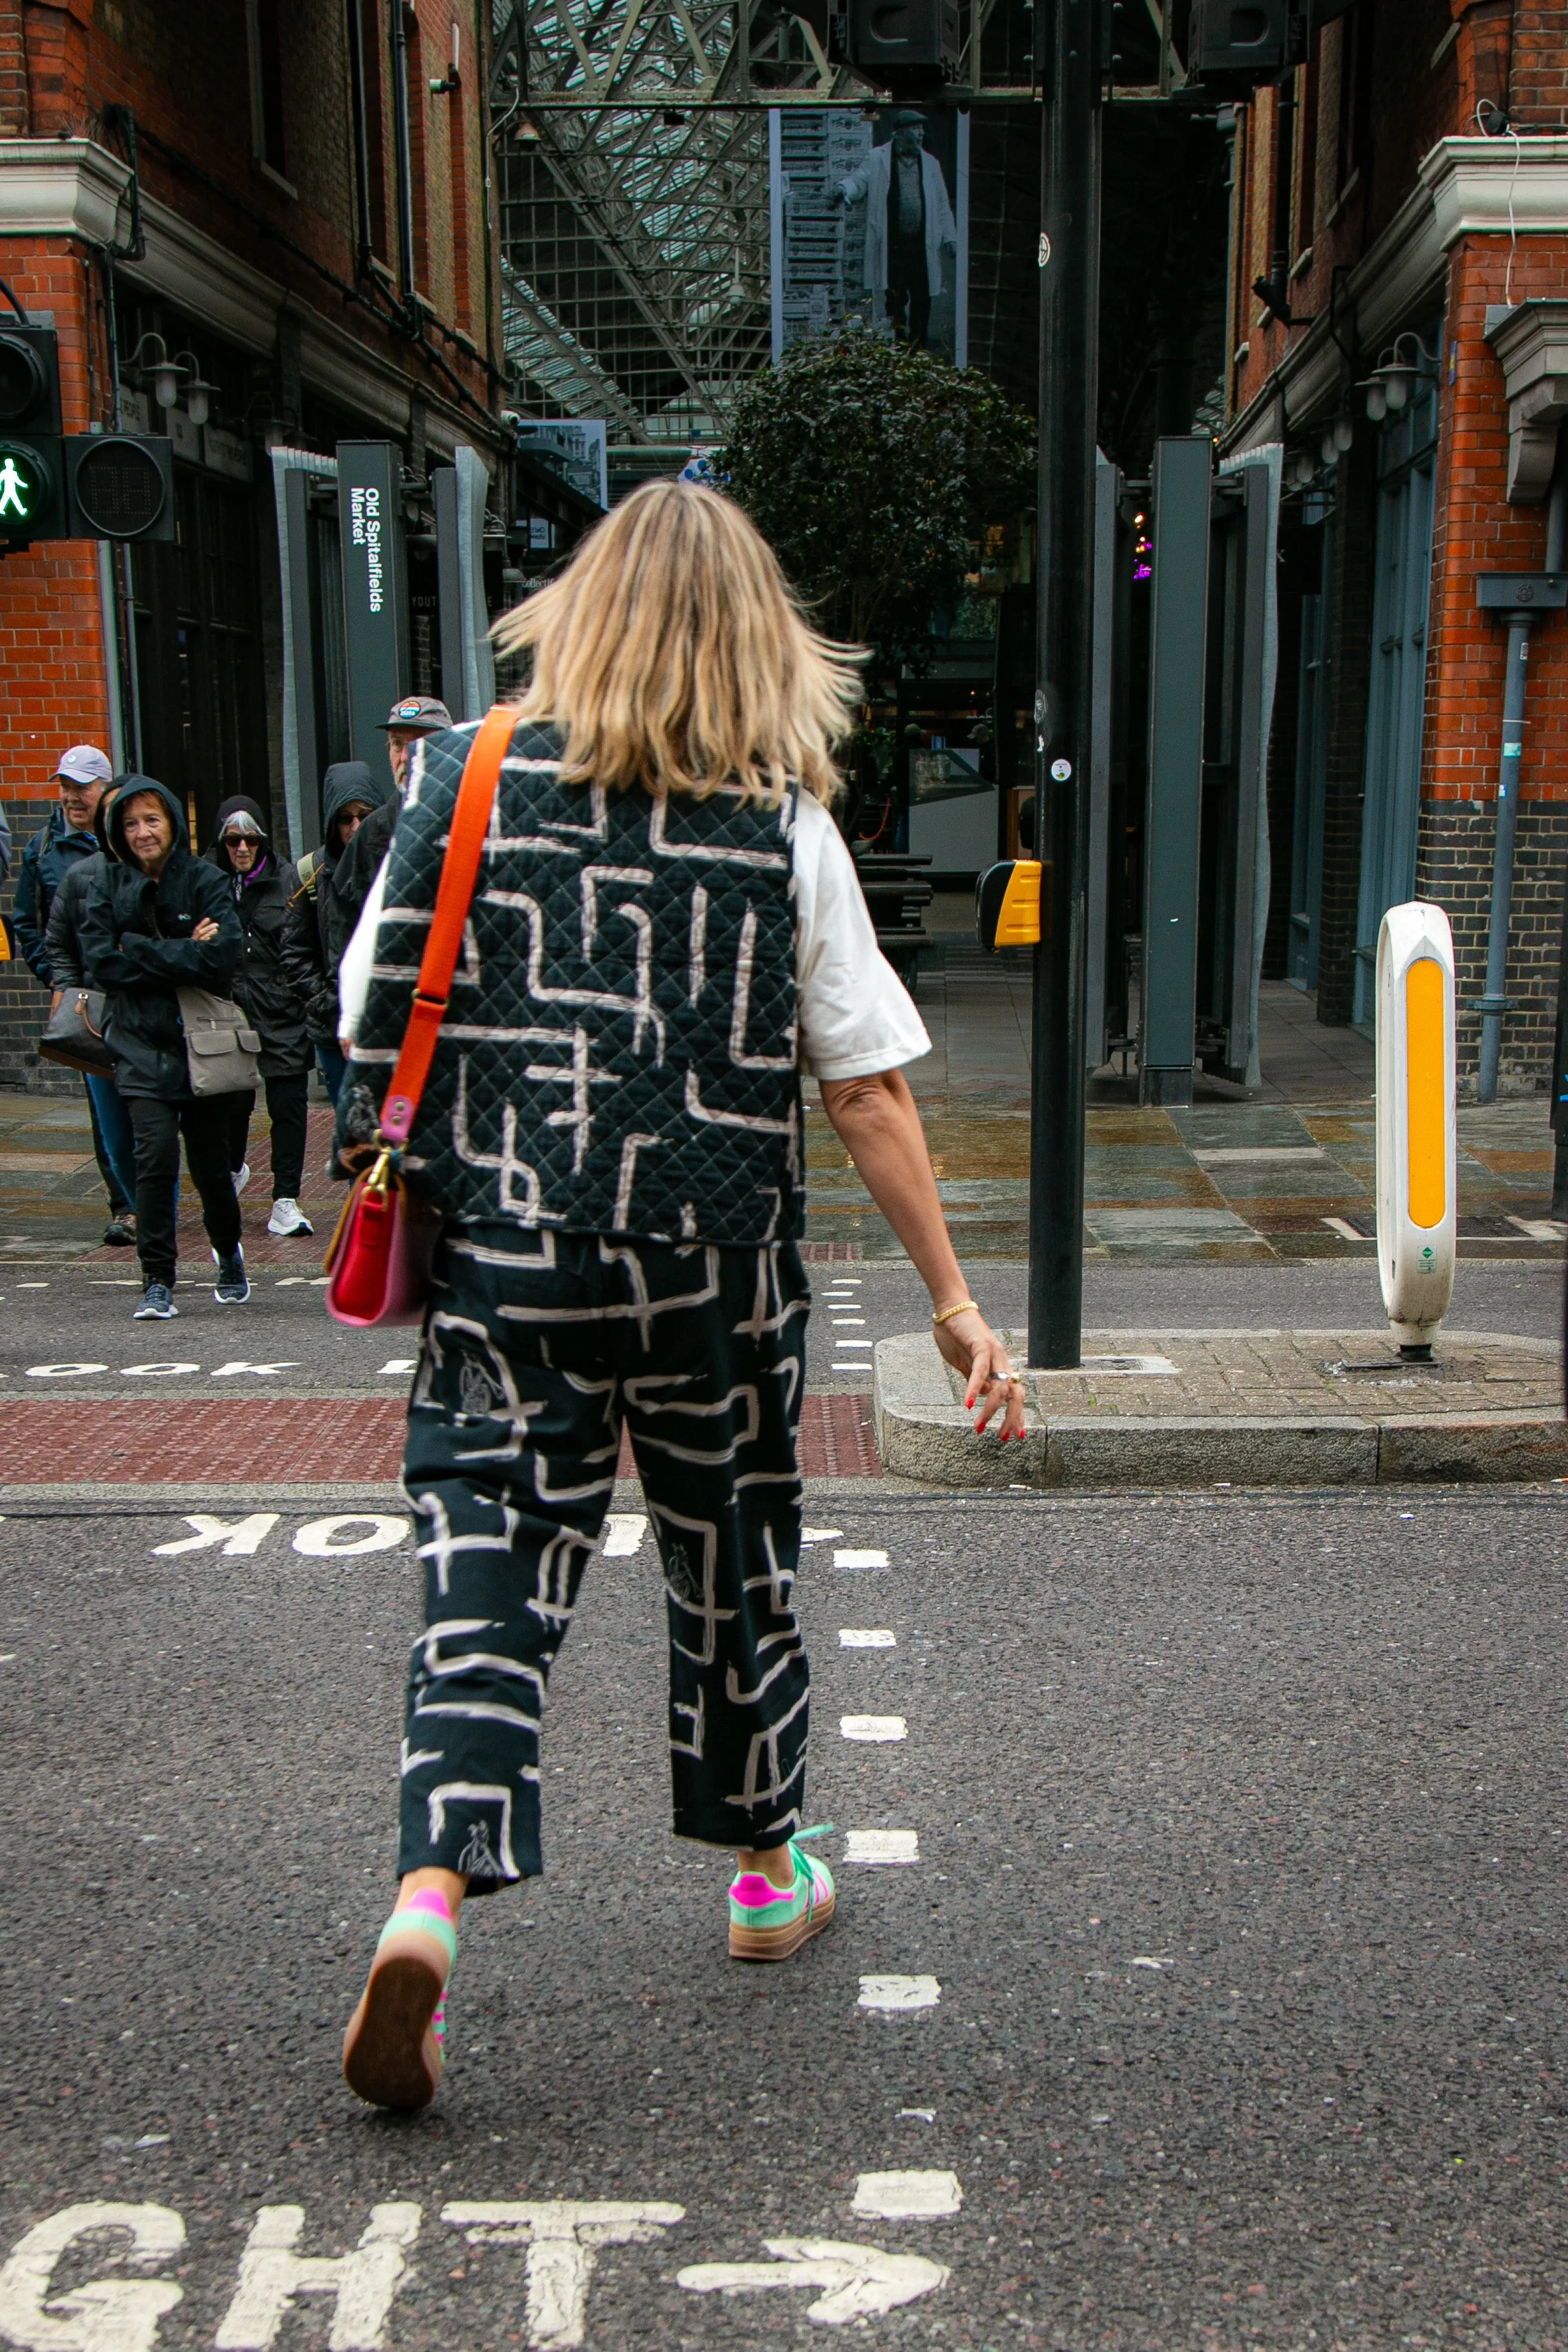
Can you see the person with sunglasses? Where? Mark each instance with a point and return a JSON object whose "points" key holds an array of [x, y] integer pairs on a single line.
{"points": [[266, 984]]}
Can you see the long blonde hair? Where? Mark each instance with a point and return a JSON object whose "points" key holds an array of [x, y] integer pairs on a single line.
{"points": [[671, 653]]}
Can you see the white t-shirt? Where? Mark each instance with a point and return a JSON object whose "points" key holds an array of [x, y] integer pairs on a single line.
{"points": [[855, 1015]]}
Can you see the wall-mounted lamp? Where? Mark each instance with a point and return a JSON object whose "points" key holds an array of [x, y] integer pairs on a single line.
{"points": [[198, 391], [156, 368], [1393, 381]]}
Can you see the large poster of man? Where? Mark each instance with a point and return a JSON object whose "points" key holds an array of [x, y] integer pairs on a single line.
{"points": [[870, 223]]}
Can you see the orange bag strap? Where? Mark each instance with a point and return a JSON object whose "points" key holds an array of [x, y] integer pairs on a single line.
{"points": [[459, 875]]}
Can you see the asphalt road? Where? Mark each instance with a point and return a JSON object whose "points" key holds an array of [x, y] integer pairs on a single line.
{"points": [[1238, 1827], [53, 1318]]}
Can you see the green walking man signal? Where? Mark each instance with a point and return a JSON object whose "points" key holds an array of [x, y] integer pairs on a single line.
{"points": [[55, 484]]}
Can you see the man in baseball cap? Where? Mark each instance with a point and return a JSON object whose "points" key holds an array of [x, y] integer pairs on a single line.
{"points": [[66, 840], [411, 719], [414, 716]]}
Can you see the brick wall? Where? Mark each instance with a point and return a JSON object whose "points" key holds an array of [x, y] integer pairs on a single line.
{"points": [[1455, 869], [1347, 588]]}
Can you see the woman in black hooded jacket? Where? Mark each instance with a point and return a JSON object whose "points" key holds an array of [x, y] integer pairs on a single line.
{"points": [[155, 921], [272, 989]]}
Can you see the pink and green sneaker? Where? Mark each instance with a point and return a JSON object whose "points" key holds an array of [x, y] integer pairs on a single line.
{"points": [[765, 1923], [394, 2048]]}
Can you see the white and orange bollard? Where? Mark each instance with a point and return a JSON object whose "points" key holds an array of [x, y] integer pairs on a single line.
{"points": [[1417, 1145]]}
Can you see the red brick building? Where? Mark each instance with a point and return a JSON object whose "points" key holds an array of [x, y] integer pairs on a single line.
{"points": [[1404, 197], [227, 184]]}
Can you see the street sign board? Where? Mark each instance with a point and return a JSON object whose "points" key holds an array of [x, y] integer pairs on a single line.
{"points": [[375, 590]]}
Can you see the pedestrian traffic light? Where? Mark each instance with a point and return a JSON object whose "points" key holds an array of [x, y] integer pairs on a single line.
{"points": [[1235, 45], [32, 467], [121, 486], [910, 47]]}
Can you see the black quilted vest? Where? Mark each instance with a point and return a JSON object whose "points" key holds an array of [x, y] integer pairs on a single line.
{"points": [[619, 1052]]}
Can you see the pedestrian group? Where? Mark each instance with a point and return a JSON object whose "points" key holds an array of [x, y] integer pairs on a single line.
{"points": [[148, 948]]}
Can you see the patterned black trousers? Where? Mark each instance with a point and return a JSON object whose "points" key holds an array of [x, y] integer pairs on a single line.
{"points": [[537, 1349]]}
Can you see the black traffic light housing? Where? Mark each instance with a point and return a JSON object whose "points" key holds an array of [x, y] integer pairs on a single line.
{"points": [[909, 46], [1234, 45], [32, 458], [121, 486]]}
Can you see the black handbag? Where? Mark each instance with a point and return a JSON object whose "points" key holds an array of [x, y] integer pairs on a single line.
{"points": [[75, 1034]]}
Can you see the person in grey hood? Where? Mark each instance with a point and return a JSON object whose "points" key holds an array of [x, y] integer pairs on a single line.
{"points": [[321, 919], [268, 986], [154, 920]]}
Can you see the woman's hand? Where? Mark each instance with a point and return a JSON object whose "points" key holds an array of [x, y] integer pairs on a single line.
{"points": [[968, 1342], [204, 930]]}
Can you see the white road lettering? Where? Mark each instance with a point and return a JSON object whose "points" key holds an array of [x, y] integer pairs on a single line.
{"points": [[105, 2314], [155, 1371], [318, 1538], [881, 1846], [362, 2283], [62, 1371], [866, 1637], [873, 1726], [232, 1371], [627, 1530], [561, 2239], [907, 2196], [861, 2282], [240, 1537]]}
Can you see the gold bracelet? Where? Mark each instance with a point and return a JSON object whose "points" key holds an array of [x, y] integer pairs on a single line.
{"points": [[963, 1308]]}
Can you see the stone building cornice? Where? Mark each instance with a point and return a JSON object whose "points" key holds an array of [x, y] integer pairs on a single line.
{"points": [[1464, 188], [74, 188]]}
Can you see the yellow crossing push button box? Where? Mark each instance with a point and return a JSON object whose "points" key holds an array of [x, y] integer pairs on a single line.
{"points": [[1007, 904]]}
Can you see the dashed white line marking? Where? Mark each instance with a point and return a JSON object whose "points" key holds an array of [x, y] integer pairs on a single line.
{"points": [[627, 1530], [907, 2196], [878, 1848], [853, 1559], [849, 1322], [899, 1992], [401, 1364], [866, 1637], [302, 1282], [881, 1727], [1146, 1960], [821, 1535]]}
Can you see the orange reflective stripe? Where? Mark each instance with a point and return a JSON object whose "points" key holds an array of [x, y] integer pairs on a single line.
{"points": [[1425, 1108]]}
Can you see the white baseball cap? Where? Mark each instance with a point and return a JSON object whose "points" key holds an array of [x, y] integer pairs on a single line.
{"points": [[84, 763]]}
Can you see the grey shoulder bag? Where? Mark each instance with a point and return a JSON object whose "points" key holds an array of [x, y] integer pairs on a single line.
{"points": [[221, 1047]]}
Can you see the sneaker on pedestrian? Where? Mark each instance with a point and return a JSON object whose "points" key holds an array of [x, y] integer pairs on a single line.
{"points": [[157, 1304], [241, 1178], [394, 2049], [121, 1232], [767, 1923], [233, 1286], [287, 1217]]}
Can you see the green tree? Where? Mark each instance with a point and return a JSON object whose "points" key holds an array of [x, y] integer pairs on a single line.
{"points": [[873, 470]]}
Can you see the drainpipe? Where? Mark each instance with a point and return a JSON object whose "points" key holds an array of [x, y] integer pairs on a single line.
{"points": [[404, 161], [1522, 597], [1494, 1003]]}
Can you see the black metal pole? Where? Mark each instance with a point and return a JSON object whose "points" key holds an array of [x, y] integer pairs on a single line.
{"points": [[1069, 370]]}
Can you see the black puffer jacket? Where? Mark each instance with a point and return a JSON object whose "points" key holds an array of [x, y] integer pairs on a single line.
{"points": [[321, 917], [268, 983], [135, 935]]}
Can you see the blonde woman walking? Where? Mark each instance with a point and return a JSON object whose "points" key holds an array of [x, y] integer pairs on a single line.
{"points": [[666, 931]]}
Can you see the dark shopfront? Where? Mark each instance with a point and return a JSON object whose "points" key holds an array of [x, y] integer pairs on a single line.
{"points": [[200, 677]]}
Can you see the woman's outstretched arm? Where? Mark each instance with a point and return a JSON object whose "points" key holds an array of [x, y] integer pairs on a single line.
{"points": [[878, 1127]]}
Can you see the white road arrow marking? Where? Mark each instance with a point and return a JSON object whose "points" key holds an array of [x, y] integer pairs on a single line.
{"points": [[861, 2282], [561, 2239]]}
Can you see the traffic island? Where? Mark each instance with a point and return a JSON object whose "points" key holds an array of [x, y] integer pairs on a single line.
{"points": [[1237, 1408]]}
